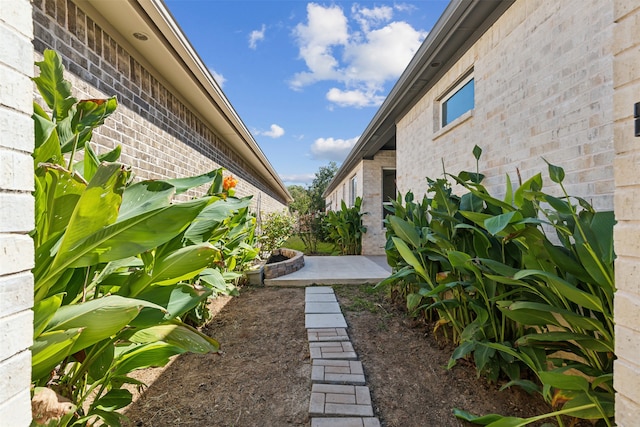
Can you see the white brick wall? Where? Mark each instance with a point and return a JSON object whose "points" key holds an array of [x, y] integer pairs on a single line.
{"points": [[369, 176], [16, 211], [543, 87], [626, 86]]}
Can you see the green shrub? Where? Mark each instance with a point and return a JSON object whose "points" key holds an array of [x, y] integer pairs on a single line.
{"points": [[276, 228], [344, 228], [117, 264], [511, 296]]}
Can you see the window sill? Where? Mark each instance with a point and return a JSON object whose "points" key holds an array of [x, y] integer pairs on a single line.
{"points": [[454, 124]]}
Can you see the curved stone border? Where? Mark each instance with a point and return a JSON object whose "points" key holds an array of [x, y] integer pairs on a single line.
{"points": [[277, 269]]}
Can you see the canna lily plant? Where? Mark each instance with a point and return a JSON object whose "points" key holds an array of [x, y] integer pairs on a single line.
{"points": [[118, 264], [523, 283]]}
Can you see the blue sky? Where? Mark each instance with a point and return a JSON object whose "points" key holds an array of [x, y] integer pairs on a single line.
{"points": [[306, 78]]}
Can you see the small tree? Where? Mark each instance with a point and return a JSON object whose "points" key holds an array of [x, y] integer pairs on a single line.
{"points": [[323, 177]]}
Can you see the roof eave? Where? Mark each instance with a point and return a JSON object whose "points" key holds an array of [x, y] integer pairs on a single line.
{"points": [[170, 53]]}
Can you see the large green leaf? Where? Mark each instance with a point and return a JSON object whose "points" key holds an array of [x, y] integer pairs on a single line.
{"points": [[183, 184], [496, 224], [144, 356], [563, 381], [55, 90], [114, 399], [586, 341], [405, 231], [212, 216], [43, 311], [47, 145], [145, 196], [99, 319], [565, 288], [182, 264], [97, 208], [179, 335], [50, 348], [410, 258]]}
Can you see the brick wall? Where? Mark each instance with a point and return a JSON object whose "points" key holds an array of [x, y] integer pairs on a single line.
{"points": [[626, 84], [16, 212], [543, 87], [369, 176], [159, 134]]}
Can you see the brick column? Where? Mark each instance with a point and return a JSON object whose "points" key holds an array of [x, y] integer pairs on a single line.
{"points": [[16, 211], [626, 81]]}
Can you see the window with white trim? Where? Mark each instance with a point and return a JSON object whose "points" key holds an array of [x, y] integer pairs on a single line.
{"points": [[353, 190], [459, 100]]}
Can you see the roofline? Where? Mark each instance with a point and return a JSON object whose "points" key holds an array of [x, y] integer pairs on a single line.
{"points": [[169, 53], [458, 28]]}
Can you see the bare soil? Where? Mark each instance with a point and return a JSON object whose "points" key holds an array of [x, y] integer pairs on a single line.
{"points": [[262, 376]]}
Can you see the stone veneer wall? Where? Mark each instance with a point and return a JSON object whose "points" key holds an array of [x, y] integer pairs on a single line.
{"points": [[16, 211], [626, 83], [543, 88], [369, 177], [160, 136]]}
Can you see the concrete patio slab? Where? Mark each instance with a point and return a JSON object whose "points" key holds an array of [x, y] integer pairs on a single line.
{"points": [[331, 320], [327, 334], [332, 350], [322, 307], [345, 422], [335, 270], [330, 399]]}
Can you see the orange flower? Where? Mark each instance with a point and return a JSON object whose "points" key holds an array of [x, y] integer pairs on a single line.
{"points": [[228, 183]]}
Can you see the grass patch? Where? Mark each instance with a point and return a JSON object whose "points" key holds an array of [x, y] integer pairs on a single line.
{"points": [[296, 243]]}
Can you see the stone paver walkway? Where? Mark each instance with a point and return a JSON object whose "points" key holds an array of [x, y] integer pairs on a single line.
{"points": [[339, 395]]}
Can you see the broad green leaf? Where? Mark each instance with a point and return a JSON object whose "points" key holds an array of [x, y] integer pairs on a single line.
{"points": [[50, 348], [55, 90], [584, 406], [47, 145], [114, 399], [463, 350], [183, 184], [482, 420], [405, 231], [556, 173], [182, 264], [43, 311], [177, 300], [91, 113], [209, 219], [179, 335], [111, 156], [131, 236], [531, 185], [565, 288], [586, 341], [97, 208], [563, 381], [477, 152], [410, 258], [144, 356], [145, 196], [101, 364], [496, 224], [99, 319], [413, 301]]}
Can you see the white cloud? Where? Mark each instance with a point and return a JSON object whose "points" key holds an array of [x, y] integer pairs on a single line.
{"points": [[332, 149], [360, 60], [354, 98], [219, 78], [300, 179], [274, 131], [256, 36]]}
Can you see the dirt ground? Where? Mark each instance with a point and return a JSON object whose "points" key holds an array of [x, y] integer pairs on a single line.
{"points": [[262, 377]]}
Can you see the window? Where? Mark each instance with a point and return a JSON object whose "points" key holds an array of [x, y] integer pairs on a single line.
{"points": [[458, 101], [353, 190]]}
